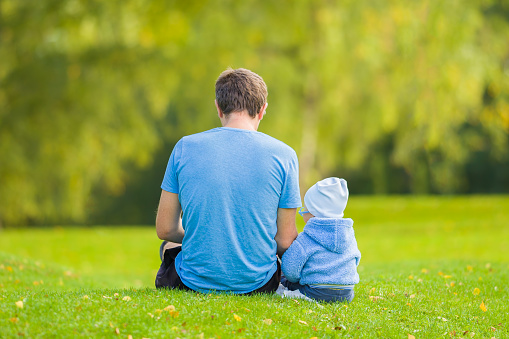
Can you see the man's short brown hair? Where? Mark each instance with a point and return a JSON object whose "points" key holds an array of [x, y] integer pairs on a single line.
{"points": [[240, 89]]}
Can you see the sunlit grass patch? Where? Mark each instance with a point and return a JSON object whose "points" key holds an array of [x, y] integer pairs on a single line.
{"points": [[424, 299], [429, 269]]}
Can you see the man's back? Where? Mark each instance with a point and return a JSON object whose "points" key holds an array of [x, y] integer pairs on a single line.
{"points": [[230, 184]]}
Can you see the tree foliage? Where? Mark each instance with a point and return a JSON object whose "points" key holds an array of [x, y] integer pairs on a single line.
{"points": [[403, 96]]}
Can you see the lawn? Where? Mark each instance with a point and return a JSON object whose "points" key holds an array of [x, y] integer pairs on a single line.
{"points": [[430, 267]]}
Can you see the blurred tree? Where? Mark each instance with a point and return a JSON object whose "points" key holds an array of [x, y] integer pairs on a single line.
{"points": [[83, 86], [398, 96]]}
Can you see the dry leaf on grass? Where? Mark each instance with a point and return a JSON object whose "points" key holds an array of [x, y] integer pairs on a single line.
{"points": [[476, 291], [236, 317], [19, 304], [303, 322], [483, 307], [267, 321]]}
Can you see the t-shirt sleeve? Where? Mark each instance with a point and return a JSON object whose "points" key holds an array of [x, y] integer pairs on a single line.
{"points": [[170, 180], [290, 194]]}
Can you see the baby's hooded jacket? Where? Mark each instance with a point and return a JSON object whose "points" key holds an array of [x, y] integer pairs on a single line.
{"points": [[324, 253]]}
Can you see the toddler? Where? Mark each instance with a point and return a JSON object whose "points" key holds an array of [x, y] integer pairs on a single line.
{"points": [[322, 262]]}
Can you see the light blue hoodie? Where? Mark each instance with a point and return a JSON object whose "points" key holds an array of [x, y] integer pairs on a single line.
{"points": [[324, 253]]}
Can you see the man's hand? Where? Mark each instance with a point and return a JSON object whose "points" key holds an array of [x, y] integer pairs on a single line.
{"points": [[168, 221], [286, 229]]}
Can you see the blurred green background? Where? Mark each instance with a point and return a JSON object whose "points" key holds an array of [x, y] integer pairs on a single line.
{"points": [[399, 97]]}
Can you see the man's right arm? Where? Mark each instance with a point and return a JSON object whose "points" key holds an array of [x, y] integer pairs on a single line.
{"points": [[168, 221], [286, 229]]}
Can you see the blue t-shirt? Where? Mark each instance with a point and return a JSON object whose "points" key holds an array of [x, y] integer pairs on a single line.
{"points": [[230, 184]]}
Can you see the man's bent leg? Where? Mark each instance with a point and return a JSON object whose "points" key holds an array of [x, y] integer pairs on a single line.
{"points": [[167, 275]]}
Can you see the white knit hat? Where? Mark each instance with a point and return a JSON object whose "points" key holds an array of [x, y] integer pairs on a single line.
{"points": [[327, 198]]}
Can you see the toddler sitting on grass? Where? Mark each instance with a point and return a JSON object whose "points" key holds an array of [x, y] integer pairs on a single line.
{"points": [[322, 262]]}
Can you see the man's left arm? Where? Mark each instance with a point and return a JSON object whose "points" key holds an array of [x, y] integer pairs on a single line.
{"points": [[168, 221], [286, 229]]}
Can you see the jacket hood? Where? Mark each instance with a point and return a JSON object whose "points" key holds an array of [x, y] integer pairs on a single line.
{"points": [[336, 235]]}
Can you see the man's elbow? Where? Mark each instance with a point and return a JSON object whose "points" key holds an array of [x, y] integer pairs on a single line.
{"points": [[283, 244], [162, 232], [287, 240]]}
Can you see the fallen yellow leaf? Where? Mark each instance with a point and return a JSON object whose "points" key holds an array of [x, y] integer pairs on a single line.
{"points": [[303, 322], [411, 336], [483, 307], [267, 321], [13, 320], [126, 298], [447, 276], [453, 283], [236, 317], [117, 331], [19, 304], [85, 297], [410, 277], [169, 308], [476, 291]]}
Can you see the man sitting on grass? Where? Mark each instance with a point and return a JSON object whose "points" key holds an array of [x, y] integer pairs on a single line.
{"points": [[238, 192]]}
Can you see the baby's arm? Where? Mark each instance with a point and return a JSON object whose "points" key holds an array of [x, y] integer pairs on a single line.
{"points": [[293, 260]]}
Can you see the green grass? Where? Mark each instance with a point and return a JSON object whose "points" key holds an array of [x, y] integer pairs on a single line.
{"points": [[423, 260]]}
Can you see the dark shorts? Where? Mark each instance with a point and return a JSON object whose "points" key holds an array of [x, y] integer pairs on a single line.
{"points": [[167, 276]]}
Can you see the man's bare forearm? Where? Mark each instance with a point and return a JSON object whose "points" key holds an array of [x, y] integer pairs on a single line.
{"points": [[286, 229], [168, 221]]}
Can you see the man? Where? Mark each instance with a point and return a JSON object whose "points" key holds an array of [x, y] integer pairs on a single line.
{"points": [[238, 192]]}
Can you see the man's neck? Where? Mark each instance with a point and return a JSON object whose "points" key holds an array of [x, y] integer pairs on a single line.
{"points": [[240, 120]]}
